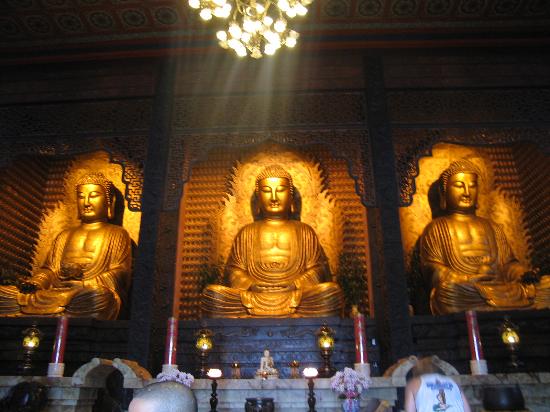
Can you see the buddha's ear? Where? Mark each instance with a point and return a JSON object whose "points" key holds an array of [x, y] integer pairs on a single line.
{"points": [[442, 199], [111, 209], [292, 207]]}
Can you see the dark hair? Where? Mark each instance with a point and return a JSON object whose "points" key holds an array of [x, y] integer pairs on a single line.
{"points": [[25, 397]]}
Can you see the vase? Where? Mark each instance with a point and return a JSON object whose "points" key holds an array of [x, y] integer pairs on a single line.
{"points": [[350, 405]]}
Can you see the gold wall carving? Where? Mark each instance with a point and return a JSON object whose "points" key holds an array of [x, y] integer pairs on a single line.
{"points": [[217, 203]]}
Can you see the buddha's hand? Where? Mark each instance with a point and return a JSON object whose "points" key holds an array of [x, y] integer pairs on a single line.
{"points": [[531, 277], [455, 277], [27, 287], [272, 287], [71, 272]]}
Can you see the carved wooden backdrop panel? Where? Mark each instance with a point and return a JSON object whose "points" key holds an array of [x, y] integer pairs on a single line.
{"points": [[207, 186]]}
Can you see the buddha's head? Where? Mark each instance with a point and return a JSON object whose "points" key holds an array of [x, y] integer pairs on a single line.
{"points": [[95, 198], [459, 187], [275, 192]]}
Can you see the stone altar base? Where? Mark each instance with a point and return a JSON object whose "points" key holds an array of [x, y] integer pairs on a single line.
{"points": [[290, 395]]}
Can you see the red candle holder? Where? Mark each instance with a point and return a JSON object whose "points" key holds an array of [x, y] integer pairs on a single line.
{"points": [[361, 356], [56, 367], [478, 364], [170, 349]]}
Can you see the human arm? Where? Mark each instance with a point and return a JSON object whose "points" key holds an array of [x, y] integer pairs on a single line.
{"points": [[465, 402], [410, 391]]}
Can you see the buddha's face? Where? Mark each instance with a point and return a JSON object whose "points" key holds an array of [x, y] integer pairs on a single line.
{"points": [[274, 197], [461, 192], [92, 203]]}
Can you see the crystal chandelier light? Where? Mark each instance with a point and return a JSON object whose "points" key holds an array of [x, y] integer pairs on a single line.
{"points": [[255, 27]]}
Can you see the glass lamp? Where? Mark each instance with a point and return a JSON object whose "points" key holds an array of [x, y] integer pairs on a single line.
{"points": [[30, 342], [325, 340], [203, 344], [509, 333]]}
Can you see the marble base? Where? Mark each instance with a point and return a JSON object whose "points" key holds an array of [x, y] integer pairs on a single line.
{"points": [[478, 367], [290, 395], [56, 370]]}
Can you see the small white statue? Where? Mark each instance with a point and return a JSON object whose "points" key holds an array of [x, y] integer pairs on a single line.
{"points": [[267, 367]]}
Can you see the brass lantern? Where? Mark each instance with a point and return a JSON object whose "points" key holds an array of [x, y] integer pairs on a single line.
{"points": [[509, 333], [30, 342], [203, 344], [325, 340]]}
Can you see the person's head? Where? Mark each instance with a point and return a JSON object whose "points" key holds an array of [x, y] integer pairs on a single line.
{"points": [[95, 198], [266, 353], [275, 192], [164, 397], [424, 366], [459, 187]]}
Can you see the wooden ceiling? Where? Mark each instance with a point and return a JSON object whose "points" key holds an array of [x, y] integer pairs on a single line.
{"points": [[46, 30]]}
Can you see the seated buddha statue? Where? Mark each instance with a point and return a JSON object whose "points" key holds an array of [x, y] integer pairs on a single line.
{"points": [[276, 267], [267, 368], [87, 270], [468, 259]]}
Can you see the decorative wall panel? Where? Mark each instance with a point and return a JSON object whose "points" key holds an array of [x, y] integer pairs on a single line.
{"points": [[411, 144], [22, 194], [128, 151], [534, 172]]}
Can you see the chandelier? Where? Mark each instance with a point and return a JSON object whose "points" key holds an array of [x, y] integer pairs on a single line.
{"points": [[256, 27]]}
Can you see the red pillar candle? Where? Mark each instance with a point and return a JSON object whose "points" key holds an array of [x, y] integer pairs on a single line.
{"points": [[60, 339], [476, 349], [171, 341], [360, 339]]}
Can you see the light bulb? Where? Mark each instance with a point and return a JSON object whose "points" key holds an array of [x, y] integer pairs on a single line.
{"points": [[267, 21], [194, 4], [221, 35], [249, 26], [290, 42], [300, 10], [280, 26], [283, 5], [245, 37], [205, 14], [226, 10], [291, 13], [233, 43], [269, 49], [235, 31], [241, 51], [219, 2], [260, 8]]}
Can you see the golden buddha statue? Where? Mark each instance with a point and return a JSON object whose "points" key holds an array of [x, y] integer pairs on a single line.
{"points": [[87, 271], [468, 259], [276, 267]]}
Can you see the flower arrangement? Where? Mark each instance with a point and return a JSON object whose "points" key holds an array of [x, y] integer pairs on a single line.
{"points": [[174, 375], [349, 383]]}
